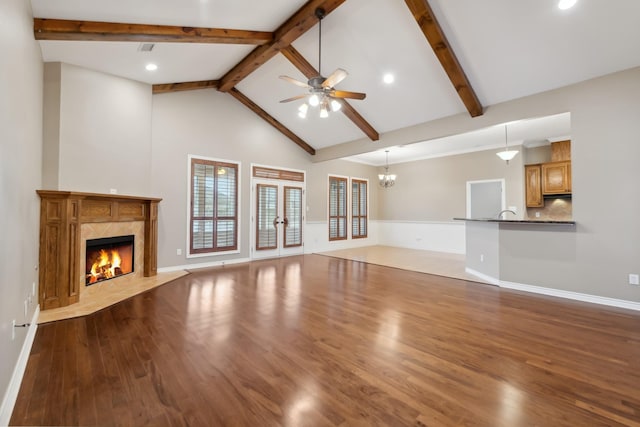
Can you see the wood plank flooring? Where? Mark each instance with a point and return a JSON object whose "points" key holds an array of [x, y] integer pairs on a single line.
{"points": [[319, 341]]}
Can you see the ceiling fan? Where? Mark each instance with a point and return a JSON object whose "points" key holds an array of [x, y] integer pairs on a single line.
{"points": [[321, 90]]}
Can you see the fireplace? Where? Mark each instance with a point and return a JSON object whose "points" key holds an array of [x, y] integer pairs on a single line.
{"points": [[108, 258], [68, 219]]}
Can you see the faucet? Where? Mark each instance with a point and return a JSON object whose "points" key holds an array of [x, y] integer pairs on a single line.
{"points": [[504, 212]]}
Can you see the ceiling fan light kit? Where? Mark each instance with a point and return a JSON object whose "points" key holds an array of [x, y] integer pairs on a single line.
{"points": [[321, 89]]}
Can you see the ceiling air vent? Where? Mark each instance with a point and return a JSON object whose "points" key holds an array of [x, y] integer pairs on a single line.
{"points": [[146, 47]]}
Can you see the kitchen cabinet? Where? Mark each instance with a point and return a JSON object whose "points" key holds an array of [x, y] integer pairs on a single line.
{"points": [[556, 177], [533, 188]]}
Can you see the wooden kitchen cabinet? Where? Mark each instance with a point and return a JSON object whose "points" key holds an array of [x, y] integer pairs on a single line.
{"points": [[556, 177], [533, 188]]}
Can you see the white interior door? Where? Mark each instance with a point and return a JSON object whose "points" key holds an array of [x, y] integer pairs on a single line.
{"points": [[278, 218], [485, 199]]}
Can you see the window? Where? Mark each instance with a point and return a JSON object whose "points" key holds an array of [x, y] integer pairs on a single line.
{"points": [[213, 219], [358, 208], [337, 208]]}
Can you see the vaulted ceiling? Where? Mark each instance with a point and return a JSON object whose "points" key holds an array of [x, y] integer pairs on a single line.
{"points": [[448, 57]]}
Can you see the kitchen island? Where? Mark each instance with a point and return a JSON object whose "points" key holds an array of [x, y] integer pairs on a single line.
{"points": [[488, 244]]}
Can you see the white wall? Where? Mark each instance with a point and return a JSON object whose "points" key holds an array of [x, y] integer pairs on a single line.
{"points": [[20, 176]]}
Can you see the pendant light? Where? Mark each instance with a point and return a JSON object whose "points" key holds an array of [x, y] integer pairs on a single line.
{"points": [[507, 154], [386, 180]]}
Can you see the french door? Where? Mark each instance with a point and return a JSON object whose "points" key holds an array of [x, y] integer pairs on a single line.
{"points": [[277, 219]]}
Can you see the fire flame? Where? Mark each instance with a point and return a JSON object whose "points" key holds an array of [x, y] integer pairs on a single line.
{"points": [[106, 266]]}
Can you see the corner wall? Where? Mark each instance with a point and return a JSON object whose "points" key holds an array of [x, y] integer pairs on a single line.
{"points": [[97, 132]]}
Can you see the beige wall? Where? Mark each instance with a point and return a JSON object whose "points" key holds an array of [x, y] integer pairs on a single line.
{"points": [[537, 155], [210, 124], [207, 123], [318, 181], [596, 257], [435, 189], [20, 175], [100, 128]]}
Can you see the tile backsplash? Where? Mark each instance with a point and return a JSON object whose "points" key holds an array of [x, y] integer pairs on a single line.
{"points": [[559, 209]]}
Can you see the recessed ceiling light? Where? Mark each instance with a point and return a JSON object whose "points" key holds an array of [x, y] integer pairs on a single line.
{"points": [[388, 78], [566, 4], [151, 67]]}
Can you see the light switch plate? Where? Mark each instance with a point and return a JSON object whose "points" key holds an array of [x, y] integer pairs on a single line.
{"points": [[634, 279]]}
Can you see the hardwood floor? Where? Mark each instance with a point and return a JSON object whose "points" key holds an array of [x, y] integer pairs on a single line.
{"points": [[319, 341]]}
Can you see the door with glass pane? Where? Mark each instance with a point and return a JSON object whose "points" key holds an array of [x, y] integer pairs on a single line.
{"points": [[278, 219]]}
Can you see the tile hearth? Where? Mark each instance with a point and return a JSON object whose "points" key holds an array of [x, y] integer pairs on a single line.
{"points": [[105, 294]]}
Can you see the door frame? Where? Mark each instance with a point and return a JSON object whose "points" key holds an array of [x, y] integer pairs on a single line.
{"points": [[483, 181], [281, 250]]}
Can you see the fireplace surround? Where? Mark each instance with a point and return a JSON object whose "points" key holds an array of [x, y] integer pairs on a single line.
{"points": [[63, 214]]}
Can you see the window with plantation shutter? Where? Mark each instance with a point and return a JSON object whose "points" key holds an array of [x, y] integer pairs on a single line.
{"points": [[213, 222], [359, 215], [293, 216], [337, 208]]}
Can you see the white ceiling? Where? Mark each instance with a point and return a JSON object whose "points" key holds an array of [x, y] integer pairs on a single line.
{"points": [[507, 48]]}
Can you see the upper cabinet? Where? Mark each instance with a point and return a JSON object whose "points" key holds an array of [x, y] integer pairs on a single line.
{"points": [[549, 178], [560, 151], [532, 174], [556, 177]]}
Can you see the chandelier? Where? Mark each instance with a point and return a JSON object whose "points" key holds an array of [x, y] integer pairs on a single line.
{"points": [[507, 154], [386, 180]]}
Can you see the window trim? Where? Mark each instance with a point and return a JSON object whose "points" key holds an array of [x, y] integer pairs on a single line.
{"points": [[213, 252], [366, 216], [347, 201]]}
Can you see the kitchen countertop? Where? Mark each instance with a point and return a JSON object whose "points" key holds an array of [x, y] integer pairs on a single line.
{"points": [[518, 221]]}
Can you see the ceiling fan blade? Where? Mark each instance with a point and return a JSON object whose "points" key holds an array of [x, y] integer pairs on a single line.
{"points": [[334, 78], [294, 98], [294, 81], [347, 94]]}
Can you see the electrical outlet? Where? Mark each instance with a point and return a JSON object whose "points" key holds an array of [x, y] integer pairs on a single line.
{"points": [[113, 191], [537, 214], [634, 279], [13, 329], [482, 258], [178, 251]]}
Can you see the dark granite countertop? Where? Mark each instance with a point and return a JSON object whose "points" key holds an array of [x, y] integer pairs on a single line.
{"points": [[517, 221]]}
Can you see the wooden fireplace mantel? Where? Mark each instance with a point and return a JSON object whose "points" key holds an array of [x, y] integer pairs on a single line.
{"points": [[61, 215]]}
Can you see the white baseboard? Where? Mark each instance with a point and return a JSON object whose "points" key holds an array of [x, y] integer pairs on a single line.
{"points": [[10, 396], [202, 265], [612, 302], [576, 296], [482, 276]]}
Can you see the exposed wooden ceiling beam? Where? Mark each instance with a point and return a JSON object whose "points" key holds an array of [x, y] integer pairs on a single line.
{"points": [[179, 87], [272, 121], [309, 71], [60, 29], [435, 36], [298, 24]]}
